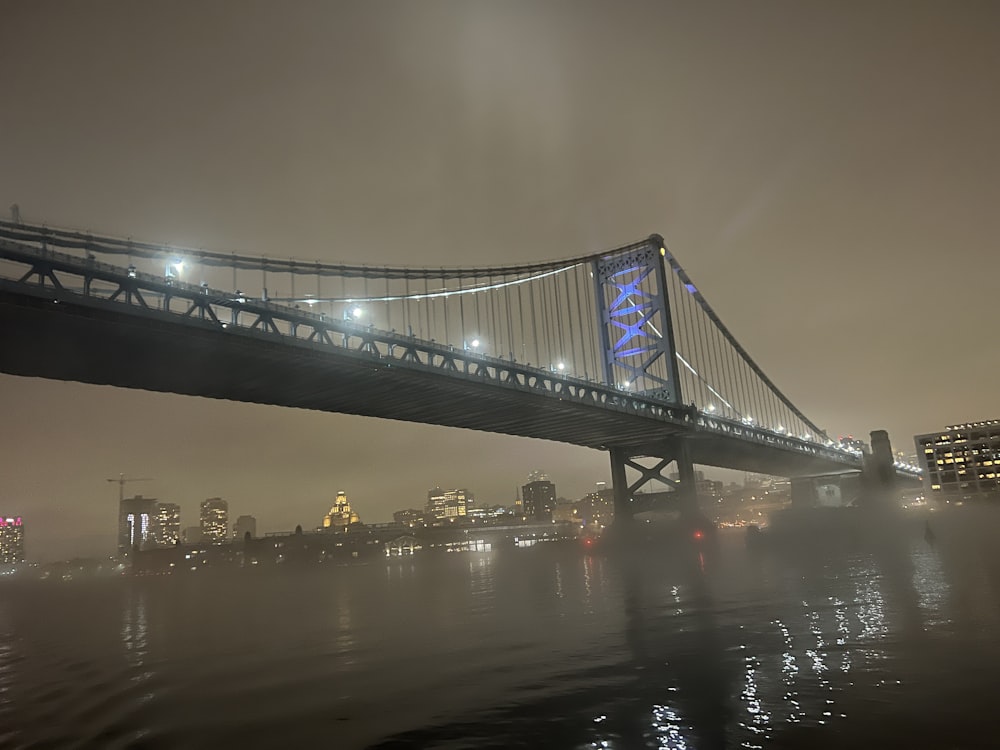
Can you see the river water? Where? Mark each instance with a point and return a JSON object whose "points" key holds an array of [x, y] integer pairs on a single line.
{"points": [[881, 645]]}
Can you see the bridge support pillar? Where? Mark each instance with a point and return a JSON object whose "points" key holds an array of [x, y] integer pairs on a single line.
{"points": [[619, 485], [688, 483], [684, 486], [879, 472]]}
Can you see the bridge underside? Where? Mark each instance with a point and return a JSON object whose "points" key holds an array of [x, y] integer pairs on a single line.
{"points": [[148, 350]]}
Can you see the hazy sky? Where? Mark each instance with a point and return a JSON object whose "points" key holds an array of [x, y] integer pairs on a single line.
{"points": [[826, 172]]}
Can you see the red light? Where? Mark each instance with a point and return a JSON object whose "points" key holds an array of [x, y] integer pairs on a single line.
{"points": [[698, 534], [588, 541]]}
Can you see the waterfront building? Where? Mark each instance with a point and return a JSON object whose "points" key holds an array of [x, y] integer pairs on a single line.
{"points": [[565, 512], [135, 523], [539, 499], [214, 519], [596, 510], [448, 504], [11, 540], [410, 517], [962, 461], [243, 526], [166, 525], [489, 513], [340, 516]]}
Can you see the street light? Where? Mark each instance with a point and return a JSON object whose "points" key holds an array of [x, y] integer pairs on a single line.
{"points": [[174, 268]]}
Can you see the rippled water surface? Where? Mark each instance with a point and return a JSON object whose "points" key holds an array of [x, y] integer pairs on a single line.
{"points": [[888, 643]]}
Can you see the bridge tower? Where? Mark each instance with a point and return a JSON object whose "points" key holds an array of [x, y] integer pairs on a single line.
{"points": [[639, 356]]}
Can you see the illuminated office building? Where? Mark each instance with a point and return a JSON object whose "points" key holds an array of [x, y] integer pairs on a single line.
{"points": [[962, 461], [448, 504], [166, 524], [214, 520], [11, 540], [135, 523]]}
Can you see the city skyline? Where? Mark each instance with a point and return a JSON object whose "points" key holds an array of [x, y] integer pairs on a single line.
{"points": [[813, 195]]}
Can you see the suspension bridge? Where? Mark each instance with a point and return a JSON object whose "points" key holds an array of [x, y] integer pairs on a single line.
{"points": [[617, 351]]}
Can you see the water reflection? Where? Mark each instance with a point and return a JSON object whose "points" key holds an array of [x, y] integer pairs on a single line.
{"points": [[543, 647], [135, 628], [11, 658], [680, 694], [930, 583], [718, 673]]}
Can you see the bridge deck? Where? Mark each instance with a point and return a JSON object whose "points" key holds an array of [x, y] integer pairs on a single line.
{"points": [[96, 341]]}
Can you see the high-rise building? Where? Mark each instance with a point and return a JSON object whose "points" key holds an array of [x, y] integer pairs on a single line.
{"points": [[135, 523], [448, 504], [243, 526], [340, 516], [538, 498], [962, 461], [11, 540], [214, 520], [166, 524]]}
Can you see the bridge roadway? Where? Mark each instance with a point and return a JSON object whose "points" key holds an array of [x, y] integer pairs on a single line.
{"points": [[50, 330]]}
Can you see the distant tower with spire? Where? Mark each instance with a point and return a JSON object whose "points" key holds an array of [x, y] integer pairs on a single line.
{"points": [[340, 516]]}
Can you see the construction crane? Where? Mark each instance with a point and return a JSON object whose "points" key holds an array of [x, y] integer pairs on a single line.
{"points": [[121, 480]]}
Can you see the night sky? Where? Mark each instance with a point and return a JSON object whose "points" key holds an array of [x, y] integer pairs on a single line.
{"points": [[827, 174]]}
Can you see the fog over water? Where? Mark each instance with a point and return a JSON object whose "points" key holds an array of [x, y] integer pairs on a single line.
{"points": [[883, 637]]}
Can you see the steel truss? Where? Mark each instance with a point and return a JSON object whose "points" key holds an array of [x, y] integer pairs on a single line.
{"points": [[675, 451], [635, 327]]}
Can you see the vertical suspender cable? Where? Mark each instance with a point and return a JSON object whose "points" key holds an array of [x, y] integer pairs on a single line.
{"points": [[520, 319], [688, 338], [447, 339], [461, 313], [427, 305], [704, 359], [479, 324], [491, 310], [388, 303], [534, 325], [575, 371], [560, 309], [510, 327], [407, 328], [580, 319]]}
